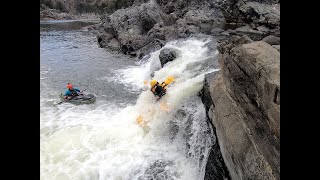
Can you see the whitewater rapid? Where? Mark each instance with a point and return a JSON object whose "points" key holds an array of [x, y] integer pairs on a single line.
{"points": [[102, 141]]}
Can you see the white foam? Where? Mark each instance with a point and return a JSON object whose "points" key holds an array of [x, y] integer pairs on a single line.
{"points": [[103, 141]]}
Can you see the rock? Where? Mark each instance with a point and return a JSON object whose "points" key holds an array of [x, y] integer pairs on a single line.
{"points": [[170, 19], [151, 47], [131, 26], [225, 33], [261, 13], [205, 27], [246, 108], [114, 44], [167, 55], [136, 27], [231, 31], [216, 31], [266, 12], [206, 97], [103, 39], [247, 30], [272, 40], [263, 29], [215, 168], [232, 42], [277, 47], [192, 30]]}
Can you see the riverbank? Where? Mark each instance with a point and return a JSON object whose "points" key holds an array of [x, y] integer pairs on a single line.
{"points": [[47, 14]]}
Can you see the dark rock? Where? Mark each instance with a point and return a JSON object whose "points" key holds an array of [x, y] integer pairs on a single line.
{"points": [[247, 30], [167, 55], [261, 13], [154, 45], [266, 12], [216, 31], [215, 168], [225, 33], [272, 40], [263, 29]]}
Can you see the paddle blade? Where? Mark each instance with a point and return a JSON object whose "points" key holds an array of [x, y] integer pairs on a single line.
{"points": [[140, 120], [169, 80], [145, 82]]}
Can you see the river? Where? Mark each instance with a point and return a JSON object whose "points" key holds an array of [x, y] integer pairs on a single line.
{"points": [[102, 141]]}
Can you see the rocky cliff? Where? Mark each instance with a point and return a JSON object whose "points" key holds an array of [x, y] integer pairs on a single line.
{"points": [[147, 26], [244, 100], [141, 29]]}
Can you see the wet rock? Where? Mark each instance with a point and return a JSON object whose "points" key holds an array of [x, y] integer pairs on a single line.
{"points": [[114, 44], [216, 31], [167, 55]]}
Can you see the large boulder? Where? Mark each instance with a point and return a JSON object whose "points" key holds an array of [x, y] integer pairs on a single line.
{"points": [[167, 55], [130, 27], [245, 108]]}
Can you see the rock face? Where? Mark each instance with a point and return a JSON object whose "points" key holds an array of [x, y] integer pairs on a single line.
{"points": [[245, 108], [263, 16], [215, 168], [263, 12], [131, 26], [167, 55], [146, 27]]}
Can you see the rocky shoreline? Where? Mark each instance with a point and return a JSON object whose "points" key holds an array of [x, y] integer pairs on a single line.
{"points": [[54, 14]]}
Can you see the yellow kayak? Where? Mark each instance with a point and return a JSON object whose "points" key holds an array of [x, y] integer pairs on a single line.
{"points": [[164, 84]]}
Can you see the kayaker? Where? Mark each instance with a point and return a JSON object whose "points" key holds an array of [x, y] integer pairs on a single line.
{"points": [[71, 92], [157, 89]]}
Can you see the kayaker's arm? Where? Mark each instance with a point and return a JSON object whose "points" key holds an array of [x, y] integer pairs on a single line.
{"points": [[68, 95], [79, 92]]}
